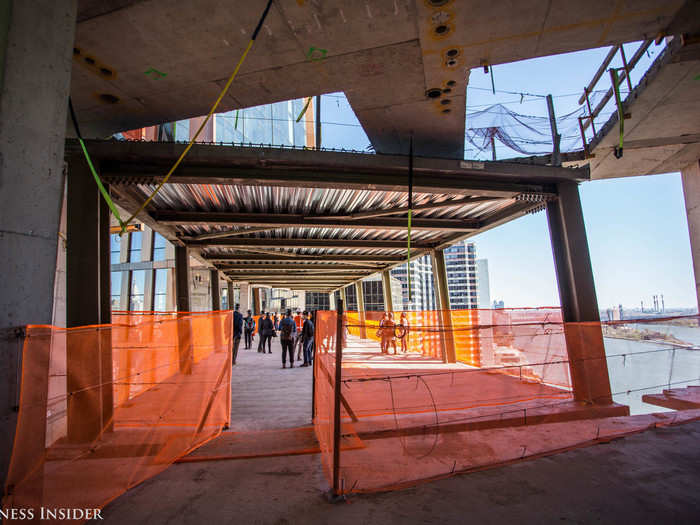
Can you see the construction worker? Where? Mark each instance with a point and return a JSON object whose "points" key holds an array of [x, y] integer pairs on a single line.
{"points": [[237, 332], [248, 329], [260, 332], [403, 331], [387, 327], [288, 330], [308, 337], [299, 340]]}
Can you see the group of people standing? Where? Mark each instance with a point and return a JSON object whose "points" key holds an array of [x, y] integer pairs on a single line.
{"points": [[296, 334], [389, 331]]}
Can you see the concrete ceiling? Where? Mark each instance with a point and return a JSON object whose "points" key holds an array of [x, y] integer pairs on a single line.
{"points": [[384, 54]]}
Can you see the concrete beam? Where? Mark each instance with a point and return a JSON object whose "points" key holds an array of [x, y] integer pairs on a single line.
{"points": [[174, 217]]}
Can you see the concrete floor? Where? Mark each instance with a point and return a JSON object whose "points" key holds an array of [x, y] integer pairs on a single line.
{"points": [[651, 477], [265, 397]]}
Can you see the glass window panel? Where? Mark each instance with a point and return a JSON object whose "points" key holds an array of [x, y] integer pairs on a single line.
{"points": [[114, 248], [160, 289], [135, 239], [116, 290], [182, 131], [138, 280], [159, 245]]}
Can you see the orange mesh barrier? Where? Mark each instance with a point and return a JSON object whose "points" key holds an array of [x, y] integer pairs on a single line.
{"points": [[102, 408], [416, 416]]}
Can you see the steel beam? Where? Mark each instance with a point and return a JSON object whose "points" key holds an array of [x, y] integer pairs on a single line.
{"points": [[182, 294], [293, 258], [215, 290], [360, 294], [386, 291], [204, 218], [292, 265], [442, 295], [211, 164], [310, 243], [88, 303], [584, 338]]}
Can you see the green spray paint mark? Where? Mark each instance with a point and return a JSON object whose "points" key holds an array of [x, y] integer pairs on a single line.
{"points": [[154, 73], [316, 53]]}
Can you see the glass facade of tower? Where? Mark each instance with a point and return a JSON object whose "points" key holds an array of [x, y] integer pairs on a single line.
{"points": [[462, 282]]}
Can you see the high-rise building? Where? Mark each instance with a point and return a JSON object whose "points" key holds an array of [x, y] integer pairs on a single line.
{"points": [[422, 285], [462, 282], [462, 278], [482, 277]]}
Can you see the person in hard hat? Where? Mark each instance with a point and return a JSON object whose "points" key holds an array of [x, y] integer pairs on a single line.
{"points": [[299, 341]]}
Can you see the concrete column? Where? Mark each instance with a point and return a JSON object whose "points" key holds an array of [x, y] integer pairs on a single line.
{"points": [[182, 290], [344, 298], [36, 40], [360, 294], [442, 298], [245, 297], [87, 303], [386, 291], [215, 290], [331, 301], [589, 368], [691, 190]]}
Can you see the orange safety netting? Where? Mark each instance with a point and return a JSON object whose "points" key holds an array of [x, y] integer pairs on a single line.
{"points": [[104, 407], [423, 410]]}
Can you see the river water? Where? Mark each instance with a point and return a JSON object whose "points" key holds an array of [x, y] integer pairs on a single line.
{"points": [[642, 367]]}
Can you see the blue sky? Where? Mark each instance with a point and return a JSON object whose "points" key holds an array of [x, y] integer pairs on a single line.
{"points": [[637, 229]]}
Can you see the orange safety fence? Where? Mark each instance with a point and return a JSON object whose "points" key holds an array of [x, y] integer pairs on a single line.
{"points": [[414, 412], [104, 407]]}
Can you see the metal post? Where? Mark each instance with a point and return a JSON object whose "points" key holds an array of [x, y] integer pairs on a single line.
{"points": [[215, 290], [493, 149], [318, 121], [360, 294], [87, 303], [229, 293], [386, 289], [584, 337], [182, 290], [443, 301], [336, 398], [556, 137]]}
